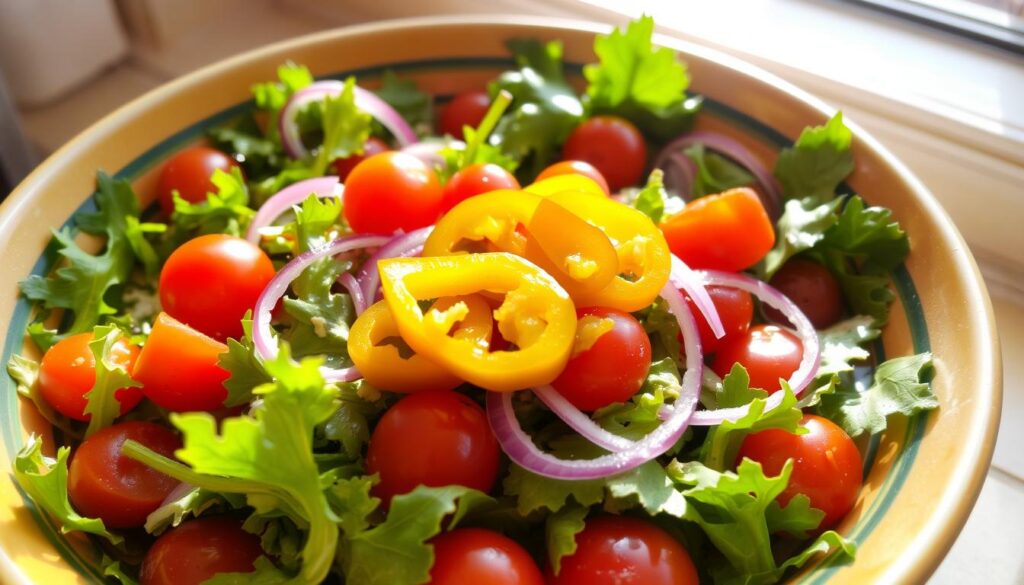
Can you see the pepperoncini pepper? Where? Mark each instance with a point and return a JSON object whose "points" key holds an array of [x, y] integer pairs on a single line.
{"points": [[644, 260], [563, 183], [577, 254], [536, 316], [374, 338]]}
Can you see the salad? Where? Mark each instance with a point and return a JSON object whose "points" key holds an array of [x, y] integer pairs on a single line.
{"points": [[538, 337]]}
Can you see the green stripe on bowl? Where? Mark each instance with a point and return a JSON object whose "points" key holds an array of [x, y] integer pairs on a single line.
{"points": [[14, 337]]}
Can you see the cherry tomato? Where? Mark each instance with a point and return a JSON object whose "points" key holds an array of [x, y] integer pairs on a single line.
{"points": [[188, 173], [613, 145], [826, 465], [730, 231], [104, 484], [197, 550], [813, 288], [432, 438], [735, 308], [474, 556], [178, 368], [391, 191], [211, 281], [343, 166], [612, 369], [768, 352], [625, 551], [474, 180], [68, 372], [466, 109], [575, 167]]}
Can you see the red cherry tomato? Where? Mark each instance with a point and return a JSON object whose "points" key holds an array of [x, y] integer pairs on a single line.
{"points": [[343, 166], [432, 438], [391, 191], [612, 369], [813, 288], [188, 173], [104, 484], [768, 352], [826, 465], [473, 556], [211, 281], [197, 550], [613, 145], [735, 308], [466, 109], [178, 368], [615, 550], [68, 372], [475, 180], [575, 167], [730, 231]]}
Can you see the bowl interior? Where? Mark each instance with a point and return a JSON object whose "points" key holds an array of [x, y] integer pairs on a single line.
{"points": [[921, 475]]}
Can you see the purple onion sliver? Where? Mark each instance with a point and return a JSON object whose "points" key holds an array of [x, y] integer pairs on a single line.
{"points": [[684, 277], [580, 422], [399, 246], [263, 334], [291, 195], [809, 363], [521, 449], [354, 291]]}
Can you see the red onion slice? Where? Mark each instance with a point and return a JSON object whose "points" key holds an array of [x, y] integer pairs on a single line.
{"points": [[366, 101], [731, 148], [400, 246], [521, 449], [355, 291], [809, 363], [263, 334], [684, 277], [580, 422], [291, 195]]}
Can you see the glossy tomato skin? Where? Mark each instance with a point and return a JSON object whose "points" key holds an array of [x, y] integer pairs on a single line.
{"points": [[67, 373], [735, 308], [768, 352], [391, 191], [188, 173], [343, 166], [197, 550], [813, 288], [475, 180], [826, 465], [473, 556], [575, 167], [730, 231], [179, 369], [612, 369], [104, 484], [614, 550], [433, 438], [211, 281], [466, 109], [613, 145]]}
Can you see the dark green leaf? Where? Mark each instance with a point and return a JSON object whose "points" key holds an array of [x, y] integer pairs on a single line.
{"points": [[819, 161]]}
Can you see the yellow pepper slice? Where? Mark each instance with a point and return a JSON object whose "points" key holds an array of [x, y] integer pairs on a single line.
{"points": [[372, 347], [536, 316], [563, 183], [644, 257], [485, 223]]}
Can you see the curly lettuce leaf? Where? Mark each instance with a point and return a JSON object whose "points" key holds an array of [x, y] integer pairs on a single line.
{"points": [[817, 163], [244, 366], [45, 480], [798, 229], [350, 423], [225, 211], [112, 570], [900, 387], [345, 128], [843, 344], [102, 404], [192, 503], [715, 173], [82, 283], [638, 417], [396, 551], [544, 110], [560, 532], [271, 96], [415, 105], [651, 199], [25, 373], [640, 82]]}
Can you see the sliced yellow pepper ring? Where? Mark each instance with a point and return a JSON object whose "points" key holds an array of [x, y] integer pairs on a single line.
{"points": [[485, 223], [644, 257], [536, 316], [562, 183], [373, 338], [577, 254]]}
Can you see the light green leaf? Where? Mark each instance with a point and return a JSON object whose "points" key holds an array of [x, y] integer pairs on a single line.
{"points": [[560, 533], [651, 199], [819, 160], [841, 344], [345, 128], [225, 211], [715, 173], [798, 229], [102, 405]]}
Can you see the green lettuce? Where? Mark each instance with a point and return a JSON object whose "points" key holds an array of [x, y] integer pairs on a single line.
{"points": [[271, 96], [407, 99], [225, 211], [102, 404], [715, 173], [817, 163], [560, 532]]}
